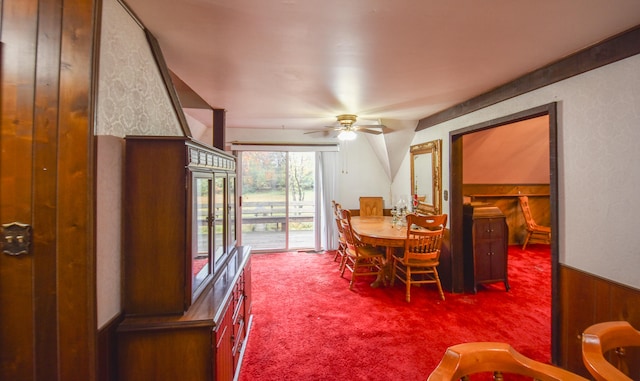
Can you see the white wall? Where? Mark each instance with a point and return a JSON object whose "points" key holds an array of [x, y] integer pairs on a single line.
{"points": [[598, 157]]}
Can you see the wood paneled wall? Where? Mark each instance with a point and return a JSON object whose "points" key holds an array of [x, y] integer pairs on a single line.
{"points": [[586, 299], [505, 197], [48, 308]]}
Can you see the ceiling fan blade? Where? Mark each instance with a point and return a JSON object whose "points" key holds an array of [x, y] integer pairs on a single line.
{"points": [[329, 133], [368, 131], [328, 129], [380, 126]]}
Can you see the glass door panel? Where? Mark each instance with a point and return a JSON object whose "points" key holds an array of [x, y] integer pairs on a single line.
{"points": [[264, 200], [219, 217], [301, 199], [201, 240], [232, 213]]}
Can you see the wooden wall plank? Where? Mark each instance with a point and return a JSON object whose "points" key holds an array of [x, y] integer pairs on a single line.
{"points": [[19, 29], [44, 192], [587, 299], [76, 194]]}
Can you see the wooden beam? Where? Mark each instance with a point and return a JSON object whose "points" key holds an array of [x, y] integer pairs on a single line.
{"points": [[608, 51]]}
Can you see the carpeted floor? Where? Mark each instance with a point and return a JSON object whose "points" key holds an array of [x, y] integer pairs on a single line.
{"points": [[308, 325]]}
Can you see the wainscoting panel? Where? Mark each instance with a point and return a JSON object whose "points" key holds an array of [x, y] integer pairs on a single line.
{"points": [[586, 299], [505, 197]]}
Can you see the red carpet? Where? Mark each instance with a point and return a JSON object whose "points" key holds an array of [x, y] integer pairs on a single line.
{"points": [[308, 325]]}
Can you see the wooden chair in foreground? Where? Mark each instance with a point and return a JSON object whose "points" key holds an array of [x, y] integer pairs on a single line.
{"points": [[534, 231], [601, 338], [462, 360], [418, 263], [341, 252], [371, 206], [361, 259]]}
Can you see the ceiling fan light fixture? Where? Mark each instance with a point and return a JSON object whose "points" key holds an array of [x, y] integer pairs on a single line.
{"points": [[347, 135]]}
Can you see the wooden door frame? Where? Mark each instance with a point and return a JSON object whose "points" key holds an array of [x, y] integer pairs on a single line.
{"points": [[456, 212]]}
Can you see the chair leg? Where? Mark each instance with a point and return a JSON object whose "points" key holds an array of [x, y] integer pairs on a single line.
{"points": [[408, 285], [344, 266], [526, 240], [353, 274], [435, 275], [393, 272]]}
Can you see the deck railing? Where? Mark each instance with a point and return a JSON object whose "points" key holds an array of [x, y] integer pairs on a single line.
{"points": [[262, 212]]}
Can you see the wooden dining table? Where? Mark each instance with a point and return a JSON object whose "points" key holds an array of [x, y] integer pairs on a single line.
{"points": [[379, 231]]}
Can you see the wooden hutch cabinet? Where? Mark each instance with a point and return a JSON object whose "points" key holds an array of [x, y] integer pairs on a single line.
{"points": [[485, 245], [187, 286]]}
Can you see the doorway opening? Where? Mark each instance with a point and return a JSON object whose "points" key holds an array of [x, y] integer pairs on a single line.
{"points": [[457, 200]]}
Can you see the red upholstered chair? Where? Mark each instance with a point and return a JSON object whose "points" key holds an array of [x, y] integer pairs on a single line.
{"points": [[534, 231], [418, 263], [601, 338], [462, 360], [360, 259]]}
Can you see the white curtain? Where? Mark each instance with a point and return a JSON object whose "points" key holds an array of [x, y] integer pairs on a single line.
{"points": [[326, 176]]}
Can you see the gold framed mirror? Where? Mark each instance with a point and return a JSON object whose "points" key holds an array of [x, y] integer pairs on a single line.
{"points": [[426, 176]]}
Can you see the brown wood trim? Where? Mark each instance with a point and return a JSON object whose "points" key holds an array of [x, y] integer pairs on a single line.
{"points": [[188, 97], [108, 350], [166, 77], [456, 208], [219, 128], [616, 48]]}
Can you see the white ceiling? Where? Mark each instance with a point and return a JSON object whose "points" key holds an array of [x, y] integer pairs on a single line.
{"points": [[296, 64]]}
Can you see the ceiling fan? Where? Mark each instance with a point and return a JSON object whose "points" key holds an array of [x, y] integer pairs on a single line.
{"points": [[347, 130]]}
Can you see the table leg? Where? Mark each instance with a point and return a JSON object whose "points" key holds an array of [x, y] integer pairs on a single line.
{"points": [[385, 272]]}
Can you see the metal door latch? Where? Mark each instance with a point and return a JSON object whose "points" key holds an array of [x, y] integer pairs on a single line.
{"points": [[16, 238]]}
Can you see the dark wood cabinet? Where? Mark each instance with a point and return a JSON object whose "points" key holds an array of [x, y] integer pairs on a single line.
{"points": [[187, 286], [485, 245]]}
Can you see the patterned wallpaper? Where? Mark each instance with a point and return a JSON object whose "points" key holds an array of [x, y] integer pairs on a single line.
{"points": [[132, 98]]}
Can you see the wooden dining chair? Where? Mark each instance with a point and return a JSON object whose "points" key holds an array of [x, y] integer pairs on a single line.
{"points": [[462, 360], [341, 252], [418, 263], [371, 206], [534, 231], [360, 259], [610, 340]]}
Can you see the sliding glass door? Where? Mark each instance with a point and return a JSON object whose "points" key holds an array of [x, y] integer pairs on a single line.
{"points": [[278, 200]]}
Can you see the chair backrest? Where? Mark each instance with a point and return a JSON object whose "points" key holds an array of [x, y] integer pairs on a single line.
{"points": [[526, 212], [371, 206], [470, 358], [424, 237], [345, 221], [337, 208], [600, 338]]}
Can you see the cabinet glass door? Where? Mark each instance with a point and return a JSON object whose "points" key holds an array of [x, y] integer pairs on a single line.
{"points": [[201, 236], [232, 213], [220, 215]]}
